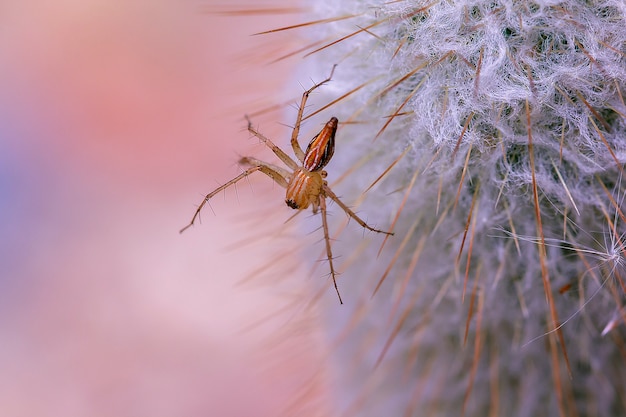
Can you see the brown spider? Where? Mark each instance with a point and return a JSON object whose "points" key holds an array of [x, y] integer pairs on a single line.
{"points": [[305, 183]]}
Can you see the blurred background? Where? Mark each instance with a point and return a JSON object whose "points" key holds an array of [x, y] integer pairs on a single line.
{"points": [[115, 119]]}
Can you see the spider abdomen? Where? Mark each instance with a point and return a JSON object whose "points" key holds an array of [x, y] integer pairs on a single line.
{"points": [[321, 148], [304, 189]]}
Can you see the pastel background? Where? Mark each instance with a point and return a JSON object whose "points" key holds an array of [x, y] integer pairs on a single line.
{"points": [[115, 118]]}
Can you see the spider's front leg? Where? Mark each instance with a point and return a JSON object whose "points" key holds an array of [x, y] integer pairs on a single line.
{"points": [[328, 192], [276, 173], [321, 202], [329, 252]]}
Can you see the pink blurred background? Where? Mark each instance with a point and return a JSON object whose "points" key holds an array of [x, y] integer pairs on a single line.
{"points": [[115, 118]]}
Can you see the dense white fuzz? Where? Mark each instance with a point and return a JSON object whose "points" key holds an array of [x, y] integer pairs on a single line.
{"points": [[460, 81]]}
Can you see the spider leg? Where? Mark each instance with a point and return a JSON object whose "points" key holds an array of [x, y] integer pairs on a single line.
{"points": [[279, 152], [349, 212], [297, 150], [283, 175], [329, 253], [258, 166]]}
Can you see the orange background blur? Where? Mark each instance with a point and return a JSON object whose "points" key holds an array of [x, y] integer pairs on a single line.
{"points": [[115, 119]]}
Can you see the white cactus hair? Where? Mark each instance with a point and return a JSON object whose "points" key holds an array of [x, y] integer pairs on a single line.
{"points": [[506, 119]]}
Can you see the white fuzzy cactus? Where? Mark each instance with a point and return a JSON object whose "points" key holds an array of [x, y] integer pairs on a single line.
{"points": [[508, 122]]}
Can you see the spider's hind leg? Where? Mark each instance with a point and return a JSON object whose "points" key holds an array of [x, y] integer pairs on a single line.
{"points": [[277, 151], [297, 150], [278, 174]]}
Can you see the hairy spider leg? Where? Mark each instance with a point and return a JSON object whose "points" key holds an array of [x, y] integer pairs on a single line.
{"points": [[297, 150], [284, 175], [329, 252], [277, 151], [264, 168], [329, 193]]}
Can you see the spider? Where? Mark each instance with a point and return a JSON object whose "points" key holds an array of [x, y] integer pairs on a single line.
{"points": [[304, 181]]}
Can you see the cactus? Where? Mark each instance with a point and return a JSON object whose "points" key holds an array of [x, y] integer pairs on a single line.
{"points": [[495, 134]]}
